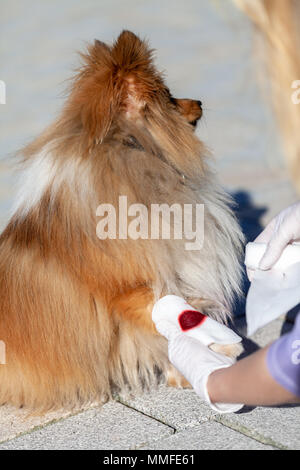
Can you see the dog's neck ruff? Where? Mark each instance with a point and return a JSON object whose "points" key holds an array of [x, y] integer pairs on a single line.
{"points": [[133, 143]]}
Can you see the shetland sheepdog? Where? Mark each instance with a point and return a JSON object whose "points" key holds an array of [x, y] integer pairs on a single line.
{"points": [[75, 309]]}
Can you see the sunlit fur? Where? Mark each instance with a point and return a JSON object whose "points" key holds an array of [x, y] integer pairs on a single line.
{"points": [[75, 311]]}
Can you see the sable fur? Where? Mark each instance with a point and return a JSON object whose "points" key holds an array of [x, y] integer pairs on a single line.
{"points": [[75, 311]]}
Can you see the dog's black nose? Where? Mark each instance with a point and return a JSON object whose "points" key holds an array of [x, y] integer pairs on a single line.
{"points": [[199, 103]]}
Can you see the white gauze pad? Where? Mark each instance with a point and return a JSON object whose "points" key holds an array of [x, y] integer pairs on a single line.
{"points": [[255, 252], [172, 314], [275, 291]]}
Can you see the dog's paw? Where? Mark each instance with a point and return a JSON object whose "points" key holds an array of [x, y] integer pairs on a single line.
{"points": [[176, 379], [230, 350]]}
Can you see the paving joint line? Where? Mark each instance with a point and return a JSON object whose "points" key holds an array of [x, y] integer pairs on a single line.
{"points": [[147, 415], [245, 431]]}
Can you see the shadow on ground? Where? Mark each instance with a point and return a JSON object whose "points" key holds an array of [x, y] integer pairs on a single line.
{"points": [[249, 217]]}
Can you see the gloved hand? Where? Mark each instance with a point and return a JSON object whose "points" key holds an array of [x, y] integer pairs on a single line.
{"points": [[282, 230], [196, 362], [189, 333]]}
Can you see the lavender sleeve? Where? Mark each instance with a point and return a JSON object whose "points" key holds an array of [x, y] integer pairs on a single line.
{"points": [[283, 359]]}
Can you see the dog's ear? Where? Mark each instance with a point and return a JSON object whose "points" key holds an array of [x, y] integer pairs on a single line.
{"points": [[92, 97], [130, 53], [137, 77], [100, 45]]}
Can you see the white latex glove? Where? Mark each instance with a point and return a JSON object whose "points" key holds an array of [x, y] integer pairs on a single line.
{"points": [[196, 362], [282, 230], [189, 333]]}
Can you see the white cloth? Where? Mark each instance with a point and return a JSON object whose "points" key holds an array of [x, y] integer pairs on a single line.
{"points": [[168, 311], [273, 292]]}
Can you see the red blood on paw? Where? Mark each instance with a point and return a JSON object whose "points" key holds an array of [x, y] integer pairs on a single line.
{"points": [[190, 319]]}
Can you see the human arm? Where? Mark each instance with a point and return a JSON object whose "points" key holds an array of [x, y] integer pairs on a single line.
{"points": [[248, 381]]}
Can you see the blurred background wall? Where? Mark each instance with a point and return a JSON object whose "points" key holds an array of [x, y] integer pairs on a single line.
{"points": [[204, 46]]}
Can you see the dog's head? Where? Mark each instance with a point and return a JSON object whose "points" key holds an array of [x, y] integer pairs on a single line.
{"points": [[118, 91], [122, 80]]}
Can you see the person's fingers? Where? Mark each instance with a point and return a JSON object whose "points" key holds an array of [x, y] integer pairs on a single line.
{"points": [[273, 252], [266, 235], [282, 230]]}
